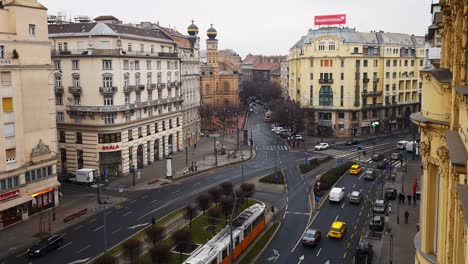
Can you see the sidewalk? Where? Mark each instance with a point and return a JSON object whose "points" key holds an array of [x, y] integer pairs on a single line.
{"points": [[403, 234], [22, 235]]}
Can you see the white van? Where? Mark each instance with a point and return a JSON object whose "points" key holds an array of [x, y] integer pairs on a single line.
{"points": [[402, 144], [86, 176], [410, 145], [336, 194]]}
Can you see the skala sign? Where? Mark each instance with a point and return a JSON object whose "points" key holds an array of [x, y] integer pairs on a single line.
{"points": [[330, 20], [110, 147]]}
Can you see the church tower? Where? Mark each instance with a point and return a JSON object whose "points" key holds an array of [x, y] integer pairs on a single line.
{"points": [[212, 47]]}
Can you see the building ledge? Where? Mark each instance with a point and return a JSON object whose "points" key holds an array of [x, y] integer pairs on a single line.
{"points": [[431, 258], [419, 118], [441, 74], [462, 90], [457, 152], [463, 194]]}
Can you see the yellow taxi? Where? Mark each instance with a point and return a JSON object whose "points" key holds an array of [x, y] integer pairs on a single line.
{"points": [[355, 169], [337, 229]]}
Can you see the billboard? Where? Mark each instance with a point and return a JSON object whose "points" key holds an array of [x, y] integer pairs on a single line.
{"points": [[330, 20]]}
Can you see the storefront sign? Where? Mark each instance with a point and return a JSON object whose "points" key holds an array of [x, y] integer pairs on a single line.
{"points": [[9, 195], [330, 20], [110, 147]]}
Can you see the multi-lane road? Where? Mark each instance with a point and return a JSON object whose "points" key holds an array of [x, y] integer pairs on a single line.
{"points": [[85, 240]]}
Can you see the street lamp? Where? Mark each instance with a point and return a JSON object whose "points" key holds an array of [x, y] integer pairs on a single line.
{"points": [[102, 202], [231, 246], [214, 136]]}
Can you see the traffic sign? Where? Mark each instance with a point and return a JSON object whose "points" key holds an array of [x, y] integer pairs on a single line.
{"points": [[340, 161], [389, 167], [317, 198]]}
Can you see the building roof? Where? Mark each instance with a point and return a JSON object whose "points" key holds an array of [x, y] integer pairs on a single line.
{"points": [[106, 18], [104, 29], [251, 59], [227, 66], [441, 74], [181, 40], [267, 66], [463, 194], [25, 3]]}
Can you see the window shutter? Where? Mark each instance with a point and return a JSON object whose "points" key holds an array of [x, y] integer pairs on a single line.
{"points": [[10, 154], [7, 104]]}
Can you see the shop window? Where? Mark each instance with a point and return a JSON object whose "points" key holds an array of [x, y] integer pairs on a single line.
{"points": [[79, 138], [113, 137]]}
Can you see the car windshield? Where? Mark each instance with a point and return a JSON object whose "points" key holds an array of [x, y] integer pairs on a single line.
{"points": [[379, 204], [309, 234], [42, 242], [355, 194], [336, 229]]}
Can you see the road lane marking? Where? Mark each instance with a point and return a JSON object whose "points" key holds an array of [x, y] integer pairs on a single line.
{"points": [[195, 184], [336, 217], [352, 235], [318, 253], [83, 249], [108, 212], [98, 228], [297, 213], [133, 201], [343, 205], [354, 185], [144, 196], [349, 244], [64, 245], [18, 256], [77, 227], [175, 192], [92, 220], [344, 255], [287, 206], [154, 201], [115, 231], [128, 213]]}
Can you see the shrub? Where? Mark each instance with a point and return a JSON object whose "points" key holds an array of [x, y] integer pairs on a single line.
{"points": [[131, 249], [182, 239], [203, 202], [313, 163], [215, 194], [271, 178], [106, 259], [331, 176], [190, 212], [160, 253], [155, 233], [226, 188]]}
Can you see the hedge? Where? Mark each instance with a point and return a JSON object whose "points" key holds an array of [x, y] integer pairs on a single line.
{"points": [[271, 178], [330, 177], [313, 163]]}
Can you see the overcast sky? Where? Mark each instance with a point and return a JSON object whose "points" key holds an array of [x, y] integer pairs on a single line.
{"points": [[267, 27]]}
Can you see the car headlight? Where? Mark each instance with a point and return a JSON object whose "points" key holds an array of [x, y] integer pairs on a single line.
{"points": [[37, 251]]}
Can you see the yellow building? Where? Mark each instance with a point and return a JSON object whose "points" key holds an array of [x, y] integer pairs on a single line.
{"points": [[219, 81], [353, 79], [443, 122], [28, 176], [117, 93]]}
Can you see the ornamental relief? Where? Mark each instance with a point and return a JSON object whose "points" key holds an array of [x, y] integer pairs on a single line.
{"points": [[425, 148], [443, 154]]}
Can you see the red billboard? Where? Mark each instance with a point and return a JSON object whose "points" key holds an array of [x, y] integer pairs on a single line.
{"points": [[330, 20], [9, 195]]}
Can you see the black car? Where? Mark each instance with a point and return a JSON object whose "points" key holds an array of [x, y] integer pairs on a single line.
{"points": [[285, 134], [352, 142], [45, 245], [377, 157], [311, 237], [377, 223], [390, 193], [382, 165], [364, 253]]}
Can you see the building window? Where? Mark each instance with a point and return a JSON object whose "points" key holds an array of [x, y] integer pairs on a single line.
{"points": [[341, 96], [420, 63], [158, 65], [163, 125], [376, 63], [387, 75], [394, 75], [79, 138], [79, 156], [169, 76], [137, 65], [58, 81], [130, 135], [109, 118], [152, 48], [39, 173], [76, 81], [127, 98], [108, 100], [311, 76], [138, 98], [226, 87], [9, 130], [326, 96], [356, 50], [7, 104], [342, 76], [2, 52], [365, 63], [57, 65], [58, 99], [394, 63], [107, 64], [341, 115], [75, 64], [126, 65], [342, 63], [129, 47], [168, 65], [77, 100], [9, 183], [112, 138], [107, 81], [142, 48], [364, 114], [77, 119], [32, 30], [59, 117], [138, 114], [148, 130], [387, 87], [148, 64], [140, 132]]}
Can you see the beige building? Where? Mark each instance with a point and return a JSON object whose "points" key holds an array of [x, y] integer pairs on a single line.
{"points": [[28, 179], [443, 122], [352, 79], [117, 93]]}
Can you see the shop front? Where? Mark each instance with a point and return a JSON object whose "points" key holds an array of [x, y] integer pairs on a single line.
{"points": [[13, 213], [110, 159], [41, 201]]}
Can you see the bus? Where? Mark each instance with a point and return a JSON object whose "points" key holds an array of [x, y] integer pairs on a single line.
{"points": [[268, 116]]}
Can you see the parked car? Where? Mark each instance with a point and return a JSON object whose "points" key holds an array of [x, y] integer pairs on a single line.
{"points": [[377, 157], [337, 229], [395, 156], [311, 237], [284, 134], [321, 146], [45, 245], [390, 193], [377, 223], [355, 169], [355, 197], [379, 206], [364, 253], [382, 165], [352, 142], [402, 144], [369, 175], [298, 138]]}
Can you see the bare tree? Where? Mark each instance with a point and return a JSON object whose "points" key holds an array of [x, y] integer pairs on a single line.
{"points": [[190, 212], [106, 259], [155, 233], [240, 197], [213, 216], [248, 189], [226, 205], [182, 240], [203, 202], [160, 253], [226, 188], [215, 194], [131, 249]]}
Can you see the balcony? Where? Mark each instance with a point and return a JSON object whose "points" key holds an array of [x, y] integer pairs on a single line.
{"points": [[8, 62], [108, 90], [365, 80], [370, 106], [139, 87], [168, 54], [129, 88], [325, 81], [151, 86], [161, 85], [76, 90], [125, 107], [371, 93], [178, 84], [170, 84], [58, 89], [376, 80]]}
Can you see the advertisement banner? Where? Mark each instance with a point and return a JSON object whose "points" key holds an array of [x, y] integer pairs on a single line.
{"points": [[9, 195], [330, 20]]}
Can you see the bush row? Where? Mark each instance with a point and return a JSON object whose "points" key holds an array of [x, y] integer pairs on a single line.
{"points": [[330, 177]]}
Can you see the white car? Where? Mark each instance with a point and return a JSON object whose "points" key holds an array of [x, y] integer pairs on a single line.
{"points": [[336, 194], [321, 146]]}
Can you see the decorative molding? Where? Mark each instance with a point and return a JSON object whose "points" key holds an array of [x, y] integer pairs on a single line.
{"points": [[443, 154], [40, 149], [425, 148]]}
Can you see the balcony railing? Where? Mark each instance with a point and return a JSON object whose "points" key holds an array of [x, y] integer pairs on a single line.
{"points": [[161, 85], [178, 84], [75, 90], [128, 88], [376, 105], [168, 54], [365, 80], [108, 90], [171, 84], [126, 107], [372, 93], [376, 80], [58, 89], [8, 62], [139, 87], [326, 81], [151, 86]]}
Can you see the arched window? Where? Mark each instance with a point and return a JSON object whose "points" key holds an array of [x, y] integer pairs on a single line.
{"points": [[169, 76], [226, 87], [326, 96], [176, 76], [149, 78], [159, 77]]}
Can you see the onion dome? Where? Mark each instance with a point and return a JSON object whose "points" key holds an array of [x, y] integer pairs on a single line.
{"points": [[212, 33], [192, 30]]}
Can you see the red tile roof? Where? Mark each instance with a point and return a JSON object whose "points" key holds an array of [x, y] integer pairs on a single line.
{"points": [[267, 66]]}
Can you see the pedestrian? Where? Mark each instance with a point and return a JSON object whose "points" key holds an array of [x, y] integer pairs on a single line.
{"points": [[414, 199], [400, 195], [364, 153], [153, 220], [406, 217], [409, 199]]}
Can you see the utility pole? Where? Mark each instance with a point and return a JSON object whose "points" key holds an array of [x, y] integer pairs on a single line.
{"points": [[186, 154], [242, 166], [231, 246], [103, 204], [413, 132], [134, 174]]}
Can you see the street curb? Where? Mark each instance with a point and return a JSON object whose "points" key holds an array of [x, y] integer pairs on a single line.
{"points": [[267, 243]]}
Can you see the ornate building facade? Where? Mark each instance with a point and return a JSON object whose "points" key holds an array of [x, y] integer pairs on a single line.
{"points": [[352, 79], [28, 175], [122, 105], [219, 82], [443, 122]]}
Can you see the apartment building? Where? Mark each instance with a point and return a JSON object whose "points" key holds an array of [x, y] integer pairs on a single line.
{"points": [[353, 79], [117, 93], [28, 179]]}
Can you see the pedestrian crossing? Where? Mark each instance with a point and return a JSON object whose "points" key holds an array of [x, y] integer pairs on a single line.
{"points": [[273, 147]]}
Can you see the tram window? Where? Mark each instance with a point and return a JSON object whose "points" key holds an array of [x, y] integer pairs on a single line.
{"points": [[215, 261], [224, 253], [236, 241]]}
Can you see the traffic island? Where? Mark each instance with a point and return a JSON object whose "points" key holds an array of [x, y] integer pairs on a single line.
{"points": [[313, 163], [274, 178]]}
